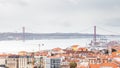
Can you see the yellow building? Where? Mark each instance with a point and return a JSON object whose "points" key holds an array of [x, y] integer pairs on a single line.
{"points": [[74, 47]]}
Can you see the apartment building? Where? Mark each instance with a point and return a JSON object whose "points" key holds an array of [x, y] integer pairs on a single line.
{"points": [[3, 60], [53, 63], [15, 61], [39, 61], [12, 61], [25, 62]]}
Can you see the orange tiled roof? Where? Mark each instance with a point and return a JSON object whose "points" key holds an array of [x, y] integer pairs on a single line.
{"points": [[94, 65], [82, 49], [56, 49], [22, 53], [74, 46], [2, 55], [113, 65]]}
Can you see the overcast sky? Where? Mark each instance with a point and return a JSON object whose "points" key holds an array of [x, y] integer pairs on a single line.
{"points": [[48, 16]]}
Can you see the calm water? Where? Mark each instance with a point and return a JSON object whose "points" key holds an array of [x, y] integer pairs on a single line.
{"points": [[32, 45]]}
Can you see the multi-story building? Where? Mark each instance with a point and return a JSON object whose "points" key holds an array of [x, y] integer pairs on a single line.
{"points": [[39, 61], [25, 62], [15, 61], [3, 60], [12, 61], [53, 63]]}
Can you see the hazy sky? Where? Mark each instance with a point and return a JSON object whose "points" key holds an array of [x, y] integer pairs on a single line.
{"points": [[43, 16]]}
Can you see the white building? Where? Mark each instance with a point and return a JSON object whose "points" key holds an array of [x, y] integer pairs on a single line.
{"points": [[25, 62], [2, 60], [15, 61], [39, 61], [12, 61]]}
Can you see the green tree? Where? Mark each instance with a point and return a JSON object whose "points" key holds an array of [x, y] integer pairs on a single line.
{"points": [[73, 64]]}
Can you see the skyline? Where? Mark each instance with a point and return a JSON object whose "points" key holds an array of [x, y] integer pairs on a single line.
{"points": [[66, 16]]}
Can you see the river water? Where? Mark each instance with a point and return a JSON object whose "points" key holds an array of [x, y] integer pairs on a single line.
{"points": [[33, 45]]}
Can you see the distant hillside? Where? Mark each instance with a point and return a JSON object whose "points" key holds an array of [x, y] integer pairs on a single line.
{"points": [[37, 36]]}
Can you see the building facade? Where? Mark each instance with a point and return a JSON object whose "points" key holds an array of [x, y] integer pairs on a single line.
{"points": [[53, 63]]}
